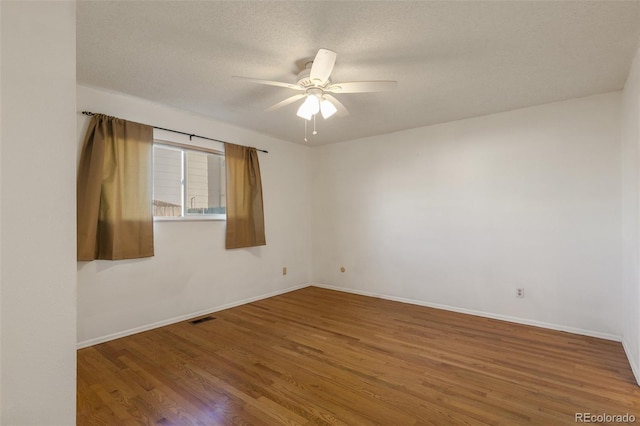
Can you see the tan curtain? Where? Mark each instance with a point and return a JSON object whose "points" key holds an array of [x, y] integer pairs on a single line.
{"points": [[245, 215], [115, 216]]}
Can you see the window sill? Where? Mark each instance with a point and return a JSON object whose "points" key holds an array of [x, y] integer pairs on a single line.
{"points": [[213, 217]]}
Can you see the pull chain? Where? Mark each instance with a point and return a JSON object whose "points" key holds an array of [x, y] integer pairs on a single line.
{"points": [[315, 132], [305, 130]]}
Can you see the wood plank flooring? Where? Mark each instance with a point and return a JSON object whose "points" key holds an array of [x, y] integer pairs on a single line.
{"points": [[316, 356]]}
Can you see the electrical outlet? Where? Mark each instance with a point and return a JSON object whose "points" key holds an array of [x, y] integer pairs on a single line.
{"points": [[520, 292], [284, 270]]}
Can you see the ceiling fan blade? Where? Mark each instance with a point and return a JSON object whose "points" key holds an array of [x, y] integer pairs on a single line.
{"points": [[322, 66], [270, 82], [286, 102], [362, 86], [341, 109]]}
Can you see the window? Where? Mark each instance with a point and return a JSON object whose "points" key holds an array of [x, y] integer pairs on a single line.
{"points": [[188, 183]]}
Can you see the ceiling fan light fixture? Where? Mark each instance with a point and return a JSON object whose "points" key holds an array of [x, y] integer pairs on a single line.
{"points": [[309, 107], [327, 108], [304, 113]]}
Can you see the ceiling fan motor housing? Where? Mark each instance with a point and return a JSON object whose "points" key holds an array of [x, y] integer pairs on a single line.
{"points": [[316, 91], [304, 78]]}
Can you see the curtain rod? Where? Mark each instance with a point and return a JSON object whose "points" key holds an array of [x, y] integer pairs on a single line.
{"points": [[191, 135]]}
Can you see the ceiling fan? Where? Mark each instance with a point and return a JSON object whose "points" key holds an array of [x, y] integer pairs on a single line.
{"points": [[314, 81]]}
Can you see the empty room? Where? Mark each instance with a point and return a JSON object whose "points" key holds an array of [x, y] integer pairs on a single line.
{"points": [[314, 212]]}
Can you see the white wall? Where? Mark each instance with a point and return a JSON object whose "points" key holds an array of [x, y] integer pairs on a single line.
{"points": [[37, 196], [459, 215], [192, 272], [630, 215], [0, 216]]}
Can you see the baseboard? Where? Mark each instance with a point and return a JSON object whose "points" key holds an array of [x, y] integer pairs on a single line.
{"points": [[632, 362], [517, 320], [169, 321], [507, 318]]}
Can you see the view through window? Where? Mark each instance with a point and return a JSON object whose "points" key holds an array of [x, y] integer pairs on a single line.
{"points": [[188, 183]]}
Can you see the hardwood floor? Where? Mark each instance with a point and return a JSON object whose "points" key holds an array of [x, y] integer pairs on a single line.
{"points": [[316, 356]]}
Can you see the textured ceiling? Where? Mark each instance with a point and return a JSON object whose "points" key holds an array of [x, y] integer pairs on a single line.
{"points": [[452, 60]]}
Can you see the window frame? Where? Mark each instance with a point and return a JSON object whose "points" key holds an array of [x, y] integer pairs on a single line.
{"points": [[184, 148]]}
